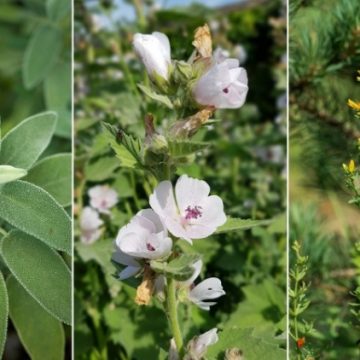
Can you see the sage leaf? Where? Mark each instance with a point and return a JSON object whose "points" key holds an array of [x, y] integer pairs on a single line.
{"points": [[32, 210], [57, 91], [36, 65], [48, 341], [41, 271], [57, 9], [9, 173], [4, 309], [54, 175], [23, 145]]}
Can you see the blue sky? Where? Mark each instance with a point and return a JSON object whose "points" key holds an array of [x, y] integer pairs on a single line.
{"points": [[126, 11]]}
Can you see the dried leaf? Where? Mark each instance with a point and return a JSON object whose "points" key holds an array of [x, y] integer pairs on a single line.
{"points": [[188, 127], [202, 41], [146, 288]]}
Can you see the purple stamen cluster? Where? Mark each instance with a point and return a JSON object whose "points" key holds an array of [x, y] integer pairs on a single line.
{"points": [[150, 247], [193, 213]]}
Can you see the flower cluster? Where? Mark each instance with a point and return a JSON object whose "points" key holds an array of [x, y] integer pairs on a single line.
{"points": [[102, 199], [207, 81], [187, 212]]}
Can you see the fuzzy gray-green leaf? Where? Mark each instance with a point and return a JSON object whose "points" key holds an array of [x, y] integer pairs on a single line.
{"points": [[35, 64], [48, 341], [53, 174], [23, 145], [32, 210], [9, 173], [41, 271], [4, 309]]}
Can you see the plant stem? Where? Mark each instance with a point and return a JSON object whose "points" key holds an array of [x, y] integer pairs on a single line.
{"points": [[172, 315]]}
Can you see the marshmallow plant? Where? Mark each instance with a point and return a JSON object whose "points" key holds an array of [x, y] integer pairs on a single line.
{"points": [[155, 248]]}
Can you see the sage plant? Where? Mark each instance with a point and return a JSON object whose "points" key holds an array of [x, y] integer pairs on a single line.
{"points": [[155, 247]]}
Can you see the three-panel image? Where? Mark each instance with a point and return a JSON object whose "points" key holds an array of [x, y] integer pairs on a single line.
{"points": [[179, 180]]}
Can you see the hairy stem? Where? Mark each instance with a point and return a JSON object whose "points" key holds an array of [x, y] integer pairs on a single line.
{"points": [[173, 316]]}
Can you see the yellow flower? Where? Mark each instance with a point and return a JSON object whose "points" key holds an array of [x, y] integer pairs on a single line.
{"points": [[355, 105], [351, 166]]}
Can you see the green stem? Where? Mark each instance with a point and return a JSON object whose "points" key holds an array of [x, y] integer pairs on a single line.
{"points": [[172, 314]]}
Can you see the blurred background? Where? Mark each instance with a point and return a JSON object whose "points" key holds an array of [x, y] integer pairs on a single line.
{"points": [[245, 166], [35, 76], [324, 60]]}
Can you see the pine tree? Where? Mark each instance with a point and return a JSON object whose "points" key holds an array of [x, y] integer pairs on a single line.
{"points": [[324, 58]]}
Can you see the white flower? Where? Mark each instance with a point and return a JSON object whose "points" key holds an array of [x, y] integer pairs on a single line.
{"points": [[191, 213], [199, 344], [154, 51], [90, 223], [224, 85], [103, 198], [145, 237], [208, 289]]}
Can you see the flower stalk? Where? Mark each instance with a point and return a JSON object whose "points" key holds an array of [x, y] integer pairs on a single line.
{"points": [[171, 304]]}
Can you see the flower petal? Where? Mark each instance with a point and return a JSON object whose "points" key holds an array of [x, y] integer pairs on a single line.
{"points": [[207, 290], [190, 192], [162, 200], [128, 272]]}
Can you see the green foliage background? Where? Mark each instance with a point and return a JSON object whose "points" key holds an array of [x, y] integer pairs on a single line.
{"points": [[324, 59], [244, 165]]}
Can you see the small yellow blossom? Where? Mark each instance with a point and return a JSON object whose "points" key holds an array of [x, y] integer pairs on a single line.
{"points": [[351, 166], [355, 105]]}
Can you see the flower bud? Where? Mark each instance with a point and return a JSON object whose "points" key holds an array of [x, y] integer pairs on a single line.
{"points": [[154, 51]]}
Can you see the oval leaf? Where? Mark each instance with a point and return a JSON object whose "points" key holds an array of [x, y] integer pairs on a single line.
{"points": [[41, 271], [23, 145], [34, 325], [3, 314], [53, 174], [34, 211], [36, 65], [9, 173]]}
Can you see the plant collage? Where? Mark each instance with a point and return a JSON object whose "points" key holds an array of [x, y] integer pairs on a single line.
{"points": [[179, 180]]}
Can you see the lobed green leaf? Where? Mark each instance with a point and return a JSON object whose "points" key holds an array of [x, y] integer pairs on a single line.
{"points": [[157, 97]]}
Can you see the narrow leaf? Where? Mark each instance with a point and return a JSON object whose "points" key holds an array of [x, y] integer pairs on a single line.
{"points": [[184, 148], [53, 174], [32, 210], [233, 224], [41, 271], [9, 173], [157, 97], [27, 315], [23, 145], [4, 309]]}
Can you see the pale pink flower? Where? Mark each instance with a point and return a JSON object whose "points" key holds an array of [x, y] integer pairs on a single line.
{"points": [[145, 237], [103, 198], [224, 85], [208, 289], [189, 213], [90, 223], [198, 345]]}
